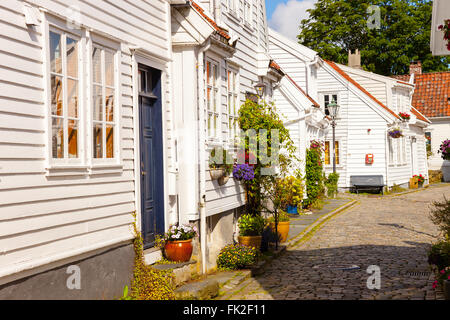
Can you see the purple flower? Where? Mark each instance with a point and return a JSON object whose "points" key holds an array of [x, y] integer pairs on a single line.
{"points": [[243, 172]]}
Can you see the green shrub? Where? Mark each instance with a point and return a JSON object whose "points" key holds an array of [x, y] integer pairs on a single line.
{"points": [[332, 184], [251, 225], [440, 215], [236, 256], [439, 254], [314, 174], [282, 217]]}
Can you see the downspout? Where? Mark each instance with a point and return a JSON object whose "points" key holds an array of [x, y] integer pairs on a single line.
{"points": [[201, 149]]}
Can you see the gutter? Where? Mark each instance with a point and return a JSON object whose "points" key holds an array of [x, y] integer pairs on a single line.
{"points": [[201, 149]]}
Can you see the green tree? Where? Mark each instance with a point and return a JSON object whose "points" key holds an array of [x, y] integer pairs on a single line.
{"points": [[337, 26]]}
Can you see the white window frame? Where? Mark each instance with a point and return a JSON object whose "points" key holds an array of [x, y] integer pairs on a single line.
{"points": [[248, 12], [330, 165], [330, 94], [232, 119], [103, 45], [51, 24], [391, 151], [215, 113]]}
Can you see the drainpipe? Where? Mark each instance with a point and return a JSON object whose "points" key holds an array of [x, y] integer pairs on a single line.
{"points": [[201, 149]]}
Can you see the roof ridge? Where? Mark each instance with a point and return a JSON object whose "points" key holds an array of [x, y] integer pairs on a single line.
{"points": [[346, 76]]}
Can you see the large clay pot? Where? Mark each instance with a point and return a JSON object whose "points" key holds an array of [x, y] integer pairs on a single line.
{"points": [[283, 229], [250, 241], [178, 250]]}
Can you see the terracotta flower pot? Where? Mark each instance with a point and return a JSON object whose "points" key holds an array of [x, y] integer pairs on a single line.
{"points": [[178, 250], [283, 229], [250, 241]]}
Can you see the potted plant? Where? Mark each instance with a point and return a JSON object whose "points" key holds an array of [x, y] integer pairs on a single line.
{"points": [[405, 116], [395, 133], [178, 242], [290, 190], [219, 164], [250, 230], [420, 180], [283, 225], [244, 172]]}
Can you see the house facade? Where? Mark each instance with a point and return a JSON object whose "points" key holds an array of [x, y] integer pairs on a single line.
{"points": [[432, 98], [110, 109], [369, 107]]}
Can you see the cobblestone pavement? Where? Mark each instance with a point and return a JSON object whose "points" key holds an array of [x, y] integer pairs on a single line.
{"points": [[393, 233]]}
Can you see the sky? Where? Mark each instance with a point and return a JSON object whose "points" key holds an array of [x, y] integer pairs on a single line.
{"points": [[285, 15]]}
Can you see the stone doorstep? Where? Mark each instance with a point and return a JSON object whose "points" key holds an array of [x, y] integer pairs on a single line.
{"points": [[182, 271]]}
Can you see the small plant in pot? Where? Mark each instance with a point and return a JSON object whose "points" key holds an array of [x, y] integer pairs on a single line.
{"points": [[220, 165], [178, 242], [250, 230], [290, 193], [283, 225], [420, 179]]}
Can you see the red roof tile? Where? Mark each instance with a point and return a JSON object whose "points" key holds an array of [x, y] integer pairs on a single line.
{"points": [[432, 94], [219, 30], [346, 76]]}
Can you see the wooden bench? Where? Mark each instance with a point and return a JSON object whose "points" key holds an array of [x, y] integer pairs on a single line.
{"points": [[367, 183]]}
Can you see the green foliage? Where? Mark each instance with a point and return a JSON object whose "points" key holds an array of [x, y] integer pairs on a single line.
{"points": [[219, 162], [125, 295], [336, 26], [148, 283], [331, 183], [290, 191], [236, 256], [314, 174], [251, 225], [283, 216], [440, 215], [254, 116], [439, 254]]}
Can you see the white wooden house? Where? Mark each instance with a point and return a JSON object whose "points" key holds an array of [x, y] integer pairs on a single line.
{"points": [[77, 81], [369, 107], [220, 52]]}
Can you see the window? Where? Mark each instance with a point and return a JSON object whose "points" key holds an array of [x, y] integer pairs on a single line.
{"points": [[212, 96], [64, 95], [248, 12], [327, 98], [328, 156], [103, 102], [391, 150], [233, 103], [232, 5]]}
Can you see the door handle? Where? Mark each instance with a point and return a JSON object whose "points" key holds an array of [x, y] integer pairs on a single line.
{"points": [[144, 173]]}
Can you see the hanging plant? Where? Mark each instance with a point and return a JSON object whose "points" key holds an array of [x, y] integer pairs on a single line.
{"points": [[404, 116], [444, 149], [446, 29], [395, 133]]}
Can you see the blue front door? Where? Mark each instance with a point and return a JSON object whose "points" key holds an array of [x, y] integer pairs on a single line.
{"points": [[151, 154]]}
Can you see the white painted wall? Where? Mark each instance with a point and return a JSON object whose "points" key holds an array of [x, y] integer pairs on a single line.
{"points": [[440, 131], [43, 217]]}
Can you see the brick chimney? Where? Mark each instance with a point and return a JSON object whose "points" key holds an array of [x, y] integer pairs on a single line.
{"points": [[415, 67], [354, 59]]}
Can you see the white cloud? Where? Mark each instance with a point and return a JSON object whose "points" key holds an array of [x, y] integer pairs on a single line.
{"points": [[287, 17]]}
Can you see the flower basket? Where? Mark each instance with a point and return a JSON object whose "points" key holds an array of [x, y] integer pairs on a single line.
{"points": [[444, 149], [216, 173], [405, 116], [219, 163], [223, 180], [395, 133], [446, 29]]}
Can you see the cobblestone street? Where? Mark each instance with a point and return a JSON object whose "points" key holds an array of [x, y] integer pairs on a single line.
{"points": [[392, 232]]}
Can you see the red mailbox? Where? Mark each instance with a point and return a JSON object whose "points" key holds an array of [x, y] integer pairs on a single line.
{"points": [[369, 158]]}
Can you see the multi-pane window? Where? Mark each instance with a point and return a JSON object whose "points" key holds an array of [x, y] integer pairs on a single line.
{"points": [[327, 98], [328, 155], [64, 92], [233, 103], [391, 150], [247, 11], [232, 5], [212, 96], [103, 102]]}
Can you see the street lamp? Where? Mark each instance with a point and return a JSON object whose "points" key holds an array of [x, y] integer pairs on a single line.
{"points": [[260, 88], [333, 109]]}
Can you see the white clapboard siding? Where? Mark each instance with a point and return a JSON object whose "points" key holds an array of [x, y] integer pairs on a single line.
{"points": [[230, 196], [44, 215]]}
